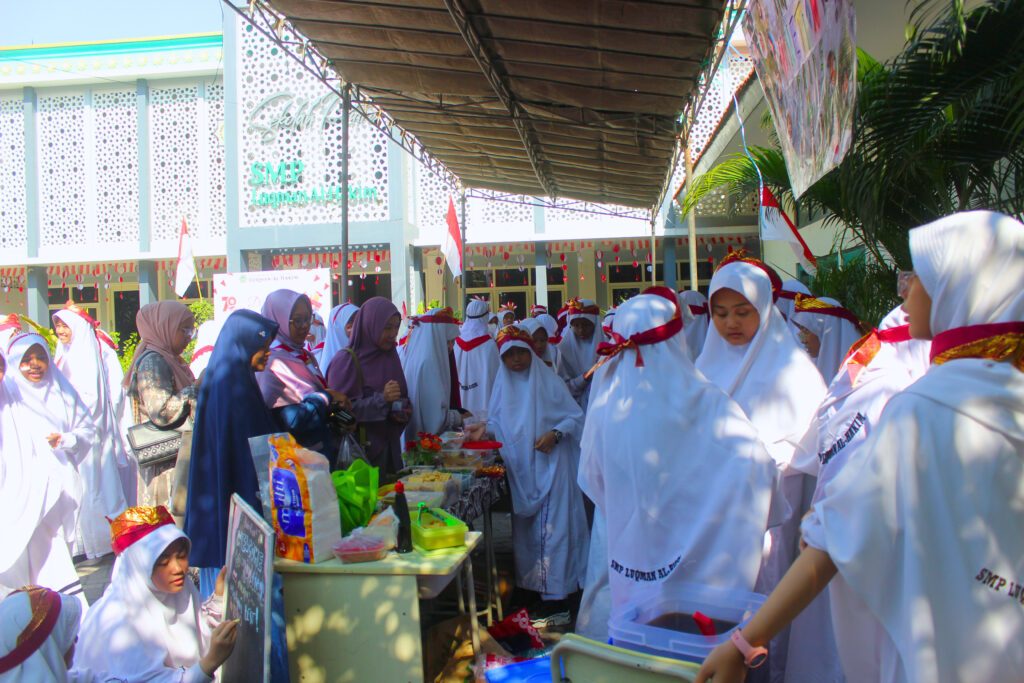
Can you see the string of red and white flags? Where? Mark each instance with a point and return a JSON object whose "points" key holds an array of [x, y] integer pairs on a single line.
{"points": [[513, 255]]}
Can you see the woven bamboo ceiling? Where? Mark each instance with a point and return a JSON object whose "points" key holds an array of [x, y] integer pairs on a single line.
{"points": [[565, 98]]}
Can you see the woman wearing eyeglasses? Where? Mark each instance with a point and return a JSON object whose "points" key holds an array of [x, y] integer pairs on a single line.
{"points": [[293, 385], [161, 385]]}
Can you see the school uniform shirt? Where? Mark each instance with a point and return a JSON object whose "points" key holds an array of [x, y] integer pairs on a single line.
{"points": [[923, 522], [671, 513]]}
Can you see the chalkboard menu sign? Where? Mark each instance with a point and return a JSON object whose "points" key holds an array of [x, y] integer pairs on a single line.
{"points": [[249, 574]]}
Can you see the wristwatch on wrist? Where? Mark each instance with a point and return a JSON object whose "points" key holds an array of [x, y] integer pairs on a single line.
{"points": [[753, 657], [558, 435]]}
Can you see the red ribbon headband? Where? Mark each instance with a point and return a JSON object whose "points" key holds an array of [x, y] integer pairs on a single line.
{"points": [[645, 338], [45, 611]]}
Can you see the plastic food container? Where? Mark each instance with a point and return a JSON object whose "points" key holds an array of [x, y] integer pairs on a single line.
{"points": [[470, 460], [433, 528], [631, 626], [359, 548]]}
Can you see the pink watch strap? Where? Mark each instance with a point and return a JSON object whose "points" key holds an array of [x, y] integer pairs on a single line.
{"points": [[753, 657]]}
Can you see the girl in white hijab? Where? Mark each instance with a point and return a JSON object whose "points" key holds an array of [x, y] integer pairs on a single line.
{"points": [[827, 331], [577, 352], [38, 627], [697, 329], [923, 521], [79, 358], [45, 433], [883, 364], [149, 625], [338, 324], [752, 356], [538, 423], [476, 358], [428, 374], [670, 514], [544, 350], [785, 302], [551, 327]]}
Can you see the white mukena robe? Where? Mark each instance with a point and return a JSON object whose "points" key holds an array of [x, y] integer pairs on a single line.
{"points": [[81, 362], [549, 524], [476, 358], [923, 521], [680, 479], [40, 488]]}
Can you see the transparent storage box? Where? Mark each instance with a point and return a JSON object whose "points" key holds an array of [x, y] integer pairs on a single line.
{"points": [[636, 627]]}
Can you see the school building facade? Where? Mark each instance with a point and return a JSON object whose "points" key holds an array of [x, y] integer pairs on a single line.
{"points": [[106, 148]]}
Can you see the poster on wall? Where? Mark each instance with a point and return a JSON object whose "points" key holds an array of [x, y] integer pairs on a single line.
{"points": [[232, 291], [805, 55]]}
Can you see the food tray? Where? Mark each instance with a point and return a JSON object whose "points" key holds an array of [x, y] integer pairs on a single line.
{"points": [[430, 537], [359, 548]]}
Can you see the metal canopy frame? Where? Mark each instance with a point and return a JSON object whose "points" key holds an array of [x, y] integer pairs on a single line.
{"points": [[273, 25]]}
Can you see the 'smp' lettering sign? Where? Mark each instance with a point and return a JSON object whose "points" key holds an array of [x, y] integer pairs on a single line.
{"points": [[249, 574]]}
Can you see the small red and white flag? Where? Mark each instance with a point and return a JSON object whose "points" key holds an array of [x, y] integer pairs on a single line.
{"points": [[776, 225], [186, 270], [451, 245]]}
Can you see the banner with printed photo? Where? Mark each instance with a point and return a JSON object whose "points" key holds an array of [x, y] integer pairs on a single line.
{"points": [[805, 55], [232, 291]]}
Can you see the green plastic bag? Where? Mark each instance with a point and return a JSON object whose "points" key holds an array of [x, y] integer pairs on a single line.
{"points": [[357, 494]]}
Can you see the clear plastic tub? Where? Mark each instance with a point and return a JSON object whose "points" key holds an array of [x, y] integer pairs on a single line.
{"points": [[359, 548], [630, 626]]}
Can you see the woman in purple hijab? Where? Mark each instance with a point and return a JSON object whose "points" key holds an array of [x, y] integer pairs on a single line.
{"points": [[369, 372], [292, 385]]}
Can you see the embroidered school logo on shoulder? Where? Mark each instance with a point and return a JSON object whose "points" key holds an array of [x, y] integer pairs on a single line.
{"points": [[846, 438]]}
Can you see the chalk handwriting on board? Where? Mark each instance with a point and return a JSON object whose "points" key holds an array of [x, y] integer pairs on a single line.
{"points": [[250, 563]]}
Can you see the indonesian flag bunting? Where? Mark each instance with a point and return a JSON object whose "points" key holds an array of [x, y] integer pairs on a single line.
{"points": [[775, 225], [451, 245], [186, 270]]}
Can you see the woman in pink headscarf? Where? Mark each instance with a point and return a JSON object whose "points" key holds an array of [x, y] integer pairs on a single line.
{"points": [[292, 385]]}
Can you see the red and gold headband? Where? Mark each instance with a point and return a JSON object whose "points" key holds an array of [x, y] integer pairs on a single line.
{"points": [[744, 256], [135, 523], [514, 333], [577, 307], [45, 611], [808, 304], [445, 315]]}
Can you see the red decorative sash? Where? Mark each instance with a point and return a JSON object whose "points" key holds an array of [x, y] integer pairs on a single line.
{"points": [[997, 341], [555, 339], [652, 336], [699, 310], [472, 343], [45, 611], [786, 294], [863, 351]]}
